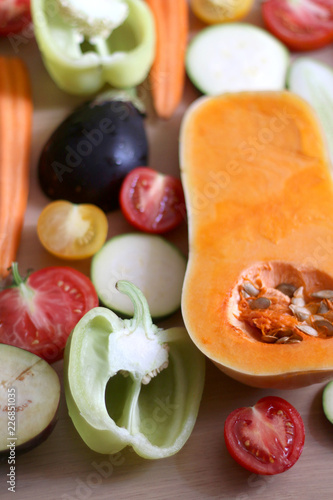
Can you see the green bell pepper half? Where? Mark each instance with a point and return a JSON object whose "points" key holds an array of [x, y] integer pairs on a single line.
{"points": [[81, 65], [128, 382]]}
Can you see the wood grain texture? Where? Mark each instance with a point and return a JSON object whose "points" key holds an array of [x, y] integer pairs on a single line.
{"points": [[63, 468]]}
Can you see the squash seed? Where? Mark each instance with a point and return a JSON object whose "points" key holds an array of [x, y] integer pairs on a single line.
{"points": [[323, 294], [324, 326], [323, 308], [270, 339], [299, 293], [308, 330], [298, 301], [294, 341], [250, 289], [260, 303], [301, 313], [286, 288], [282, 340], [296, 336], [284, 333], [317, 317]]}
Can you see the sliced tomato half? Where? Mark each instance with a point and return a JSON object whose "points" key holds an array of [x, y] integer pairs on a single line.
{"points": [[266, 438], [39, 313], [151, 201], [300, 24], [72, 231], [14, 16]]}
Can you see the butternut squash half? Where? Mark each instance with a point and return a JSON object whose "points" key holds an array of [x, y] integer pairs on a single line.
{"points": [[258, 292]]}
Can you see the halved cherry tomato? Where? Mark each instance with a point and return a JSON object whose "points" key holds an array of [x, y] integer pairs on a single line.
{"points": [[266, 438], [151, 201], [302, 24], [220, 11], [39, 313], [14, 16], [72, 231]]}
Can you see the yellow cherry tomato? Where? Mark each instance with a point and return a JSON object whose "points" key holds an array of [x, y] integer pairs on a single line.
{"points": [[71, 231], [220, 11]]}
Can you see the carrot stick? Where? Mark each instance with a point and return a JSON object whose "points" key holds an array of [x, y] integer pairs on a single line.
{"points": [[15, 139], [167, 75]]}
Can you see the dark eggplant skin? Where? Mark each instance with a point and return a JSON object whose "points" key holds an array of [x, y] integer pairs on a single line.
{"points": [[33, 442], [89, 154]]}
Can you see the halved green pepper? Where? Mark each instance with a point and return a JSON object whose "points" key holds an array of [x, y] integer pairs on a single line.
{"points": [[81, 58], [128, 382]]}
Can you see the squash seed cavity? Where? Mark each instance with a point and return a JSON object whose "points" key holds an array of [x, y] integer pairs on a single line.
{"points": [[288, 320]]}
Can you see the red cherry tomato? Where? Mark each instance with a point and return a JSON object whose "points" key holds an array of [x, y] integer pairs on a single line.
{"points": [[14, 16], [266, 438], [301, 25], [151, 201], [39, 314]]}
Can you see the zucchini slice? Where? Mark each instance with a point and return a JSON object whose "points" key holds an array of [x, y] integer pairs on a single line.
{"points": [[328, 401], [151, 262], [313, 81], [236, 57]]}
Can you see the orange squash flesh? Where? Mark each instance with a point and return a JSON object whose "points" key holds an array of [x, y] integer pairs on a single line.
{"points": [[259, 198]]}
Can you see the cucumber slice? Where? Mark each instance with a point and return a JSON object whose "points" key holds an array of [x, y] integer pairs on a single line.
{"points": [[151, 262], [313, 81], [236, 57], [328, 401]]}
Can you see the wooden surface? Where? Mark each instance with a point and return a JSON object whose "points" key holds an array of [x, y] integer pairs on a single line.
{"points": [[63, 467]]}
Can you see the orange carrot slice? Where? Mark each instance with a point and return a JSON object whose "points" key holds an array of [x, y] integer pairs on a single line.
{"points": [[15, 139], [167, 75]]}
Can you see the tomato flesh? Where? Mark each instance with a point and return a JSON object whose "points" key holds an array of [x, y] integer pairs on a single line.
{"points": [[14, 16], [302, 24], [39, 315], [151, 201], [266, 438]]}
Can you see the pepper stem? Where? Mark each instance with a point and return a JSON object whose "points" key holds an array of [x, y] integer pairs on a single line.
{"points": [[141, 316]]}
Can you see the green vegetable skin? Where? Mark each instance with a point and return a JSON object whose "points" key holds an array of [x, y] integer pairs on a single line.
{"points": [[123, 59], [118, 389]]}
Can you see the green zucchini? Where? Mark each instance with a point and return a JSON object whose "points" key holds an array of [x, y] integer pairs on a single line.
{"points": [[149, 261], [328, 401], [313, 81], [236, 57]]}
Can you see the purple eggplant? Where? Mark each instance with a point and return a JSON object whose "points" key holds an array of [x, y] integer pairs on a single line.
{"points": [[89, 154]]}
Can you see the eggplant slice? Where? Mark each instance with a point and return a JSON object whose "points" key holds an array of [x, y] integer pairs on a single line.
{"points": [[29, 400]]}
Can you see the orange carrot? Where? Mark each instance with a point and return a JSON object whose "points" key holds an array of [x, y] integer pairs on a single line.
{"points": [[15, 139], [167, 75]]}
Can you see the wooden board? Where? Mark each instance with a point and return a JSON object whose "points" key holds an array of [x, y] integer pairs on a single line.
{"points": [[63, 468]]}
